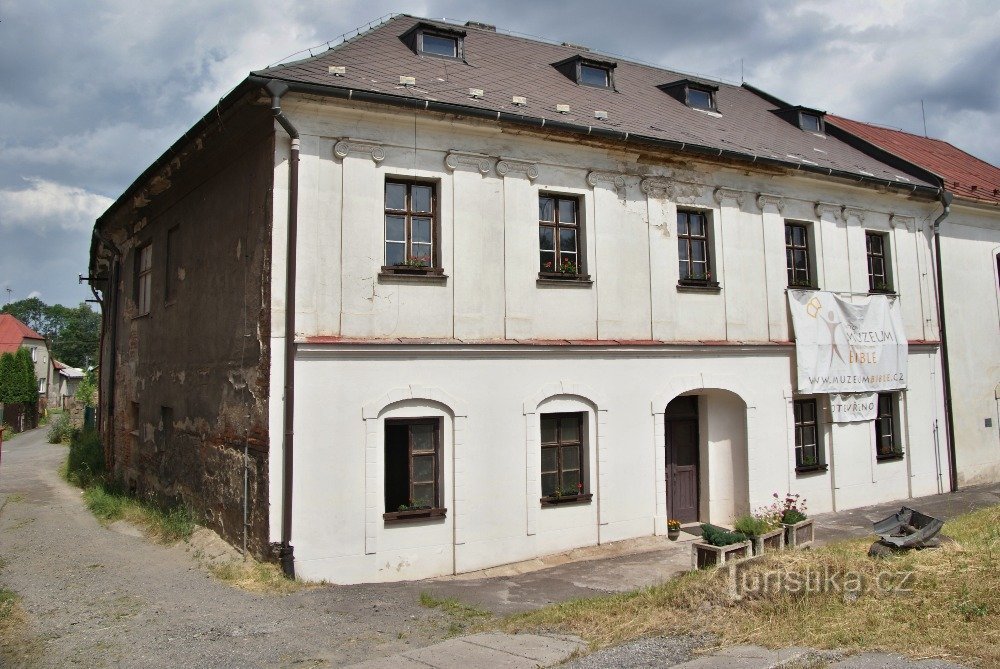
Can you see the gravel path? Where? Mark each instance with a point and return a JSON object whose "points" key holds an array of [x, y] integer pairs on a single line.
{"points": [[103, 598]]}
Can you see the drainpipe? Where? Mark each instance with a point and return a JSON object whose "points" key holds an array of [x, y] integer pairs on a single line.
{"points": [[286, 555], [949, 415], [109, 321]]}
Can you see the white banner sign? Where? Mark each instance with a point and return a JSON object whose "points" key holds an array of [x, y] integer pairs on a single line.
{"points": [[853, 407], [842, 347]]}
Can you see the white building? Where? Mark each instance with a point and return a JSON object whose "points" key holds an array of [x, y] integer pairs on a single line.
{"points": [[453, 370]]}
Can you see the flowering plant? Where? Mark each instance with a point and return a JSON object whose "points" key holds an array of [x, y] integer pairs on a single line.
{"points": [[673, 524], [417, 261], [565, 267], [789, 510]]}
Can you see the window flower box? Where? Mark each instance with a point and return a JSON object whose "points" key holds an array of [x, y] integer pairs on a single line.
{"points": [[800, 534], [412, 270], [704, 554], [566, 499], [769, 541], [414, 514]]}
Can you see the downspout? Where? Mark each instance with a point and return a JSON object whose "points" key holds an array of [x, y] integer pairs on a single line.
{"points": [[109, 319], [949, 416], [285, 550]]}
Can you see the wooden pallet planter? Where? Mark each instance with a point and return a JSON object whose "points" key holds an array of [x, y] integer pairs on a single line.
{"points": [[706, 555], [799, 535], [769, 541]]}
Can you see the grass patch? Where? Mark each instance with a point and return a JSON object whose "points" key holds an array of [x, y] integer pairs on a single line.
{"points": [[463, 616], [109, 503], [951, 609], [255, 576]]}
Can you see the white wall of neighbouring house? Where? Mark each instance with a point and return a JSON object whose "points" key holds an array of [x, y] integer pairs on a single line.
{"points": [[489, 348], [970, 253]]}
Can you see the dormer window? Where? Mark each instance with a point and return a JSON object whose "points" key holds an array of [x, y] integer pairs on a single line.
{"points": [[809, 120], [438, 45], [700, 98], [694, 94], [439, 42], [587, 71], [592, 75]]}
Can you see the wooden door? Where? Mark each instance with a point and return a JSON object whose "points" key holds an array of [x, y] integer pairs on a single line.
{"points": [[682, 459]]}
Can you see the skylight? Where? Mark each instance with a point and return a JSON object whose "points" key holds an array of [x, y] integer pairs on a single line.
{"points": [[439, 45], [591, 75]]}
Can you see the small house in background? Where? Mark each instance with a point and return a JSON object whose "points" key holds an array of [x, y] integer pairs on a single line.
{"points": [[65, 381], [14, 335]]}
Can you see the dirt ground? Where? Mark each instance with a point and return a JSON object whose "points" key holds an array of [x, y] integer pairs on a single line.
{"points": [[98, 597]]}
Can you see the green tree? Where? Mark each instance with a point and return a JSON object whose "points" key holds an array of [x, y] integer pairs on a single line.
{"points": [[86, 392], [18, 384]]}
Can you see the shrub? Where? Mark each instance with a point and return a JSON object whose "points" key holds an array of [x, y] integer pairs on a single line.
{"points": [[61, 429], [86, 457], [752, 526], [793, 516], [718, 536]]}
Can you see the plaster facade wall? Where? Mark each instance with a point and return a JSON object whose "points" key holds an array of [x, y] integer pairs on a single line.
{"points": [[970, 251], [478, 348], [186, 418]]}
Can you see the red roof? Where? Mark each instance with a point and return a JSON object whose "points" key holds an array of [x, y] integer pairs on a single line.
{"points": [[964, 175], [13, 332]]}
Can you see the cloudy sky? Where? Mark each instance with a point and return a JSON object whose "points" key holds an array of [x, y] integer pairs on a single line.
{"points": [[94, 91]]}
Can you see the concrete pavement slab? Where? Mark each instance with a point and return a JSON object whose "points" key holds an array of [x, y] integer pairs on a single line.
{"points": [[541, 648], [890, 661]]}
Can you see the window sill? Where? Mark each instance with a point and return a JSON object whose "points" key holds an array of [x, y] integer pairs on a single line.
{"points": [[413, 514], [890, 457], [560, 279], [567, 499], [885, 291], [802, 288], [811, 469], [687, 286], [433, 275]]}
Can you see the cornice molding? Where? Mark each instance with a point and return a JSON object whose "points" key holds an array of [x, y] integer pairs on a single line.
{"points": [[614, 180], [765, 200], [721, 194], [657, 187], [909, 222], [507, 166], [476, 161], [855, 212], [346, 146], [827, 209]]}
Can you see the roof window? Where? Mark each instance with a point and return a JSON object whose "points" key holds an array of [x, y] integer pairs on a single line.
{"points": [[694, 94], [429, 40], [588, 71], [809, 120]]}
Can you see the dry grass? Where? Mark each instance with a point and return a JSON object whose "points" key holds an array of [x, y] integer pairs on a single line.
{"points": [[255, 576], [19, 647], [952, 610]]}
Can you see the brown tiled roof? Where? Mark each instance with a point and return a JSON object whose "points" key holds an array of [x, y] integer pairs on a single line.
{"points": [[963, 174], [504, 66], [13, 332]]}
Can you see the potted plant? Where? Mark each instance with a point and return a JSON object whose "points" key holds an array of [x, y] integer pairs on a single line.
{"points": [[763, 529], [799, 530], [673, 529], [718, 546]]}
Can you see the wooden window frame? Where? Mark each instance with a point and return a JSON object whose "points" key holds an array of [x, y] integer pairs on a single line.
{"points": [[878, 282], [143, 293], [791, 248], [801, 427], [557, 225], [408, 267], [563, 495], [688, 240], [435, 509], [886, 426]]}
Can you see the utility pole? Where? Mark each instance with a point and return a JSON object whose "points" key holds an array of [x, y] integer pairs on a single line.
{"points": [[10, 292]]}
